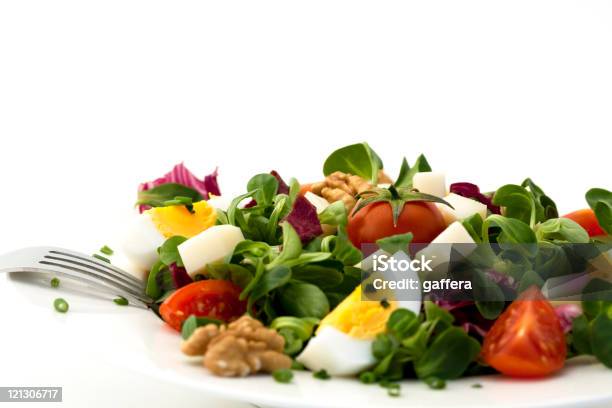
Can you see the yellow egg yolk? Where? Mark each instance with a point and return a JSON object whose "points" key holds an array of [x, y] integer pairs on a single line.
{"points": [[361, 319], [178, 220]]}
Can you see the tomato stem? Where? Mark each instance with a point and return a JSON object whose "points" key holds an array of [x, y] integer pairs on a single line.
{"points": [[395, 195]]}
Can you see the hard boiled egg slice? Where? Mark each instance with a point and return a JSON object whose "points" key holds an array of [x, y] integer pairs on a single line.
{"points": [[337, 353], [219, 202], [342, 345], [462, 208], [430, 182], [141, 241], [149, 230], [209, 246], [439, 250], [319, 202]]}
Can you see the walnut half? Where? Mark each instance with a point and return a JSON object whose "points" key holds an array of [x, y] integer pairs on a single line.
{"points": [[344, 187], [199, 340], [236, 350]]}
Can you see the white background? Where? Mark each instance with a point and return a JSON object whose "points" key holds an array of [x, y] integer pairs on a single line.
{"points": [[96, 97]]}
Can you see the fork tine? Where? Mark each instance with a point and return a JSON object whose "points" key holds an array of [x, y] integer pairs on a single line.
{"points": [[139, 287], [91, 271], [97, 288], [103, 265], [99, 277], [78, 267]]}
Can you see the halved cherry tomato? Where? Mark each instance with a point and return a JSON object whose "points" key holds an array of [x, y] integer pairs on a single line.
{"points": [[527, 339], [375, 221], [217, 299], [586, 219]]}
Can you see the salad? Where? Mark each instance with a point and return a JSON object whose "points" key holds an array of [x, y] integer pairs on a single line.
{"points": [[277, 279]]}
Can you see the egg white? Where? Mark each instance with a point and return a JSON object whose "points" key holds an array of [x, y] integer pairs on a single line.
{"points": [[340, 354], [219, 202], [209, 246], [141, 240], [337, 353]]}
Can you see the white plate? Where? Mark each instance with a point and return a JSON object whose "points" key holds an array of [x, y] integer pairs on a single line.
{"points": [[136, 339]]}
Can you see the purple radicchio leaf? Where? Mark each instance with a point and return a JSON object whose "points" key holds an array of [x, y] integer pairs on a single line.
{"points": [[566, 314], [181, 175], [211, 184], [303, 218], [180, 277], [467, 316], [283, 188], [507, 283], [472, 191]]}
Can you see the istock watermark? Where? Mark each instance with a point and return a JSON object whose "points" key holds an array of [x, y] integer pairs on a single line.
{"points": [[385, 262], [398, 272], [427, 286], [487, 272]]}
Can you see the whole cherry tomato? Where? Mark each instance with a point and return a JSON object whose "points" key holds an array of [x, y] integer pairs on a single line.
{"points": [[375, 221], [586, 219]]}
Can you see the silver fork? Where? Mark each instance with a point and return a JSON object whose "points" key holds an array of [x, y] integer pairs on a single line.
{"points": [[86, 270]]}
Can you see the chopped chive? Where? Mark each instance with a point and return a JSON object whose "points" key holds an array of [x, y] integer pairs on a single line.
{"points": [[367, 377], [477, 385], [121, 301], [321, 375], [106, 250], [283, 375], [435, 383], [393, 388], [296, 365], [394, 391], [385, 303], [55, 282], [60, 305], [102, 258]]}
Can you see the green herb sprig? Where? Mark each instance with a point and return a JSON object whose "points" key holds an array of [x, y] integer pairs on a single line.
{"points": [[592, 331], [159, 281], [527, 203], [407, 173], [432, 346], [358, 159], [600, 200], [168, 194], [296, 331]]}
